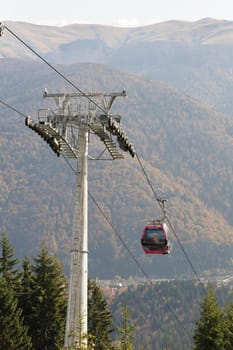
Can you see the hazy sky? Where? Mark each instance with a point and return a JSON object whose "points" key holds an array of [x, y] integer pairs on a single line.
{"points": [[117, 13]]}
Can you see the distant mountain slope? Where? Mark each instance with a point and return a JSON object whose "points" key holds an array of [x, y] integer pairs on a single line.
{"points": [[195, 57], [186, 148]]}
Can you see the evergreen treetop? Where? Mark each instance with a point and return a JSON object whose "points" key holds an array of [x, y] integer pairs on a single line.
{"points": [[99, 318], [8, 262], [13, 333], [209, 332]]}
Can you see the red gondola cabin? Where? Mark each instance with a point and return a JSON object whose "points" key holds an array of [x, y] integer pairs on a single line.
{"points": [[155, 238]]}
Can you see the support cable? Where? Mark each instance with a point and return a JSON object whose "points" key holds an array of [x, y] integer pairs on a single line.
{"points": [[160, 203], [12, 108], [51, 66]]}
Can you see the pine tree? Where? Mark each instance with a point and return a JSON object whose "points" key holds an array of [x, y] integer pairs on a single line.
{"points": [[8, 262], [49, 301], [25, 292], [228, 329], [209, 332], [99, 318], [126, 331], [13, 334]]}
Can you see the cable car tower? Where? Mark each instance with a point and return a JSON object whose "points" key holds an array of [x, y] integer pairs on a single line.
{"points": [[66, 129]]}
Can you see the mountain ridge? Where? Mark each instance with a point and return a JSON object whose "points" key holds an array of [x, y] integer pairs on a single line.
{"points": [[194, 57], [206, 31]]}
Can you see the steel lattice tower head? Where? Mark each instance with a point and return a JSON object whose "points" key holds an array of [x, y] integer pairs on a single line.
{"points": [[66, 129], [59, 126]]}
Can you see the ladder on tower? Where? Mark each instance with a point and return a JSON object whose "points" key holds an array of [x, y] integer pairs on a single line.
{"points": [[107, 140]]}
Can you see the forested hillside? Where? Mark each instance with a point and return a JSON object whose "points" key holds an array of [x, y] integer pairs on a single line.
{"points": [[164, 314], [184, 144]]}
